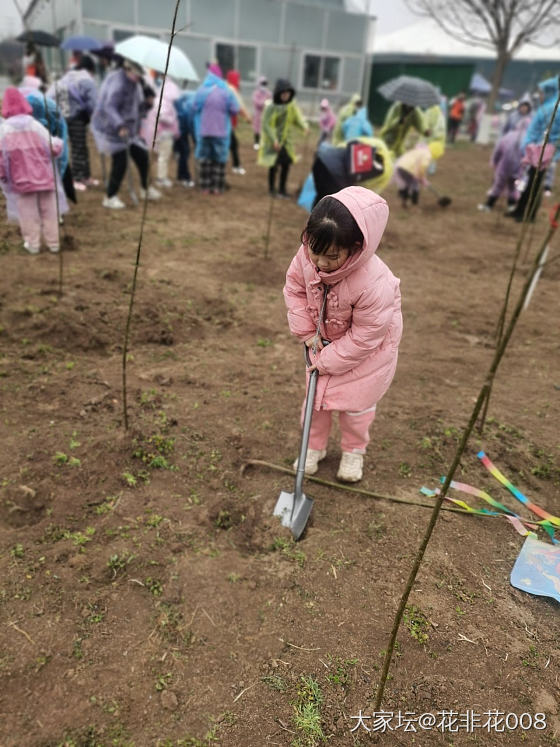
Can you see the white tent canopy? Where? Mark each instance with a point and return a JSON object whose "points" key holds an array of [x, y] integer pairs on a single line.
{"points": [[426, 38]]}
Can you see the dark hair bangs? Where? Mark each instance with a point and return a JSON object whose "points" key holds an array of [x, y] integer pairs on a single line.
{"points": [[323, 236], [331, 224]]}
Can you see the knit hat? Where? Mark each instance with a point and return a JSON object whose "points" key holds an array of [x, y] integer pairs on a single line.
{"points": [[324, 104], [14, 103]]}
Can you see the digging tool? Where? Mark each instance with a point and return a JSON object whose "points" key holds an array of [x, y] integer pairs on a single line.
{"points": [[443, 200], [293, 509]]}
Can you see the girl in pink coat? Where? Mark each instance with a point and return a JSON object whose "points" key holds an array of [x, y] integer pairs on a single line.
{"points": [[362, 319], [26, 172]]}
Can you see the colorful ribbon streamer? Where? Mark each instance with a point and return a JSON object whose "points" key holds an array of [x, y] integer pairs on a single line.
{"points": [[548, 521], [495, 472]]}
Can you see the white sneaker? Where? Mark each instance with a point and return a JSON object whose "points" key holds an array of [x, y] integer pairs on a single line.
{"points": [[167, 183], [54, 249], [114, 202], [187, 183], [312, 460], [30, 249], [351, 467], [484, 208], [153, 193], [239, 170], [256, 146]]}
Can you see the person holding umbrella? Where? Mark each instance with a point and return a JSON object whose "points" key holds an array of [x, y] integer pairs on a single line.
{"points": [[115, 126], [400, 119], [410, 95]]}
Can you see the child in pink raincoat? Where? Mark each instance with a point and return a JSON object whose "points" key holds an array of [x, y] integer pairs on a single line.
{"points": [[362, 319], [167, 127], [261, 95], [26, 172], [327, 121]]}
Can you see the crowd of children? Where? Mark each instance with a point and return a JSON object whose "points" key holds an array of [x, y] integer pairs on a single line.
{"points": [[343, 301]]}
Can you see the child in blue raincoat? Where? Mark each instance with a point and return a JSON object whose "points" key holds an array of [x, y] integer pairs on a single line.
{"points": [[182, 146]]}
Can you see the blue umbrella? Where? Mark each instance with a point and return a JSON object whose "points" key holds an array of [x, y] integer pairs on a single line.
{"points": [[81, 44]]}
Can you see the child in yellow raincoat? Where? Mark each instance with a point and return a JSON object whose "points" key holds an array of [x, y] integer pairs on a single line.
{"points": [[280, 117]]}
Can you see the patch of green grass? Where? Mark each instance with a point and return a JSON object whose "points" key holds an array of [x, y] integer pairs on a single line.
{"points": [[341, 668], [80, 538], [531, 659], [417, 623], [154, 451], [17, 551], [108, 504], [154, 586], [288, 548], [307, 714], [163, 681], [405, 470], [118, 563]]}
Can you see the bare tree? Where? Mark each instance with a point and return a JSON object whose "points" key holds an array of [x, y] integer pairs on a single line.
{"points": [[500, 25]]}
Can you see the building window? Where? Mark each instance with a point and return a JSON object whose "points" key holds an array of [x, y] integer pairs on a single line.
{"points": [[321, 72], [238, 57], [120, 34]]}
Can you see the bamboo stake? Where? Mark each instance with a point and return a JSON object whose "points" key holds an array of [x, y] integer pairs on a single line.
{"points": [[141, 236], [498, 355], [267, 240]]}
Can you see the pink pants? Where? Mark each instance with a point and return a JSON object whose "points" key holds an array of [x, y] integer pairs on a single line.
{"points": [[354, 429], [36, 211]]}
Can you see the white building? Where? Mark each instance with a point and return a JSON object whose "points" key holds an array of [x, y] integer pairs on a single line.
{"points": [[319, 45]]}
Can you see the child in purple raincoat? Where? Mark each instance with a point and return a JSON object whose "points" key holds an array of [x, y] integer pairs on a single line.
{"points": [[116, 125], [506, 161]]}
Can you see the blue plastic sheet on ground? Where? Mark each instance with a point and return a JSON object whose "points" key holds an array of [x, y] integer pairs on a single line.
{"points": [[537, 569]]}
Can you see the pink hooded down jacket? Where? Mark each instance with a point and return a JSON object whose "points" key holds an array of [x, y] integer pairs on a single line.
{"points": [[363, 317]]}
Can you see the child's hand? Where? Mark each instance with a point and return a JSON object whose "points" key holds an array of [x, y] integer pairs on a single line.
{"points": [[315, 343]]}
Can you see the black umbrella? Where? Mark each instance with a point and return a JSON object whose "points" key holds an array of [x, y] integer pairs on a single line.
{"points": [[411, 91], [41, 38]]}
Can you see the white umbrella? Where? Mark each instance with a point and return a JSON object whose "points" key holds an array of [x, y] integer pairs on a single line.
{"points": [[152, 53]]}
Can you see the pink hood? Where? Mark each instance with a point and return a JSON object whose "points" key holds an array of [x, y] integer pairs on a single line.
{"points": [[14, 103], [233, 77], [371, 213]]}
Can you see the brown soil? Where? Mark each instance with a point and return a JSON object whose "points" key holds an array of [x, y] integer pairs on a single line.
{"points": [[148, 597]]}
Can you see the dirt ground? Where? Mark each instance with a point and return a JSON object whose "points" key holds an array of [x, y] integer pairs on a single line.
{"points": [[149, 598]]}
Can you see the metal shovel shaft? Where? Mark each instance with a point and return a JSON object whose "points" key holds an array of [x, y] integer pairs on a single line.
{"points": [[308, 414]]}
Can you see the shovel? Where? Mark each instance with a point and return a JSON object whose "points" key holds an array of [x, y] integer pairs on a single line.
{"points": [[293, 509], [443, 200]]}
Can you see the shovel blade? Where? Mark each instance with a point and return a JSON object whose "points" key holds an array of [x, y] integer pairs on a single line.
{"points": [[301, 509]]}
